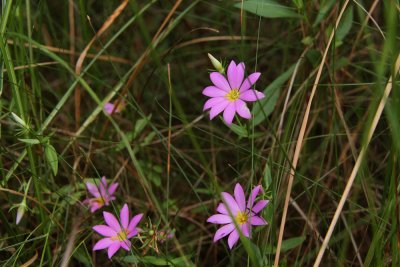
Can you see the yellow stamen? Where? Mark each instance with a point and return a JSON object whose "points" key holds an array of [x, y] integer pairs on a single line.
{"points": [[233, 95], [241, 218], [121, 236], [99, 200]]}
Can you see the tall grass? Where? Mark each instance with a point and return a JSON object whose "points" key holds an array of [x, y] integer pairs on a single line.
{"points": [[324, 143]]}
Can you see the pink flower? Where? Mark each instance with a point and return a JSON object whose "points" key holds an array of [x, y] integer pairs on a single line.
{"points": [[229, 95], [244, 215], [117, 233], [102, 194], [109, 107]]}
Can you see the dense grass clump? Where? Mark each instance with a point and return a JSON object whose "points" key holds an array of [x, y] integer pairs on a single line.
{"points": [[114, 89]]}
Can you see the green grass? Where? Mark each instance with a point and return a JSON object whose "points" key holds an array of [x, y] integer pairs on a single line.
{"points": [[170, 161]]}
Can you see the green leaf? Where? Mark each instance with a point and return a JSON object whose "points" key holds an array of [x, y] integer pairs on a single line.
{"points": [[287, 244], [239, 130], [265, 106], [314, 57], [268, 9], [292, 243], [267, 176], [51, 156], [253, 251], [148, 139], [139, 125], [323, 11], [299, 3], [29, 141], [130, 259], [161, 261], [345, 26]]}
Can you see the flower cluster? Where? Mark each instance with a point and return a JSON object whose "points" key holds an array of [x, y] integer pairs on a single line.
{"points": [[229, 95]]}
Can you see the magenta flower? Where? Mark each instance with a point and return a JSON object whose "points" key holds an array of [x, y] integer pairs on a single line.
{"points": [[244, 215], [117, 233], [109, 107], [229, 95], [102, 194]]}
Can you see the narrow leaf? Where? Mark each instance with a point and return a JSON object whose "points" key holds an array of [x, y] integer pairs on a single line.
{"points": [[268, 9], [52, 159], [29, 141]]}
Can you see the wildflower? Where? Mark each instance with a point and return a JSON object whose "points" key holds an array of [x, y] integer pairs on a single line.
{"points": [[102, 193], [109, 107], [117, 233], [245, 216], [229, 95]]}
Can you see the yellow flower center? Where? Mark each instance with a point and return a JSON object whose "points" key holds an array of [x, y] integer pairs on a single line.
{"points": [[99, 200], [121, 236], [241, 217], [233, 95]]}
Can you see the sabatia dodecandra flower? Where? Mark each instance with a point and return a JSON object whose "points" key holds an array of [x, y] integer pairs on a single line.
{"points": [[229, 95], [244, 215], [102, 193], [117, 233], [109, 107]]}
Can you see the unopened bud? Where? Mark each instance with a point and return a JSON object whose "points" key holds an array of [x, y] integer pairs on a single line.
{"points": [[217, 65], [20, 212]]}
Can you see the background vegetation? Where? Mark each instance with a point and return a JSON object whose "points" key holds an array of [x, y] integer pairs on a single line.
{"points": [[331, 114]]}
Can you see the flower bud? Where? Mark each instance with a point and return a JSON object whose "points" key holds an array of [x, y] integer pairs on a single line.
{"points": [[20, 212], [217, 65]]}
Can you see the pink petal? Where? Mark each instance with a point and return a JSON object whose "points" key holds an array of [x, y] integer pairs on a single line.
{"points": [[246, 229], [109, 107], [251, 95], [220, 219], [104, 230], [113, 248], [223, 231], [94, 206], [232, 206], [233, 238], [239, 197], [221, 209], [111, 221], [124, 214], [252, 197], [212, 102], [112, 188], [249, 81], [126, 244], [256, 220], [103, 243], [103, 187], [242, 109], [218, 108], [93, 189], [132, 233], [220, 81], [213, 91], [259, 206], [235, 74], [229, 113], [135, 220]]}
